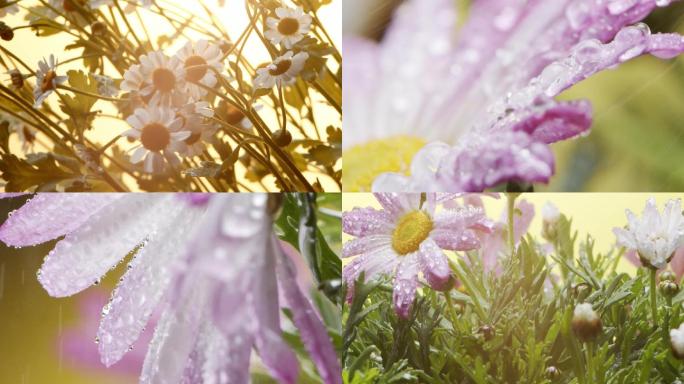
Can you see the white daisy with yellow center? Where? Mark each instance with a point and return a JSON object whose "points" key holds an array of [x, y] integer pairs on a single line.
{"points": [[46, 80], [201, 62], [290, 26], [282, 71], [194, 118], [159, 79], [159, 131]]}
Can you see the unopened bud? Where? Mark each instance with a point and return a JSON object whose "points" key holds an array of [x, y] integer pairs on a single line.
{"points": [[6, 32], [581, 291], [98, 28], [586, 323], [17, 78], [282, 137], [668, 276], [550, 217], [552, 373], [487, 332], [668, 288]]}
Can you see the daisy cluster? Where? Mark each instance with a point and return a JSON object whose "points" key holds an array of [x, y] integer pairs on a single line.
{"points": [[172, 95]]}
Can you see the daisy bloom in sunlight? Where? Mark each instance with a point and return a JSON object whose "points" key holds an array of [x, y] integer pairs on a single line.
{"points": [[406, 237], [106, 85], [159, 78], [200, 60], [46, 80], [210, 263], [288, 27], [472, 107], [234, 115], [201, 131], [159, 131], [282, 71], [655, 237]]}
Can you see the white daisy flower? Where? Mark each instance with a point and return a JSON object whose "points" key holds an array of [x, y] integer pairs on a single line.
{"points": [[159, 131], [158, 78], [106, 86], [655, 237], [198, 59], [289, 27], [25, 133], [194, 120], [134, 4], [8, 9], [282, 71], [72, 5], [46, 80]]}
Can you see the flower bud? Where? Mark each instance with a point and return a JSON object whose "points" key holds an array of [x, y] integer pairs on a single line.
{"points": [[487, 332], [550, 217], [668, 276], [552, 373], [98, 28], [6, 32], [282, 137], [668, 288], [677, 341], [581, 291], [17, 78], [586, 323]]}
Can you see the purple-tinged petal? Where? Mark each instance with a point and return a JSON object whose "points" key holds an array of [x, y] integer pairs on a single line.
{"points": [[491, 159], [405, 284], [434, 264], [9, 195], [466, 240], [48, 216], [397, 204], [366, 221], [142, 287], [365, 244], [381, 260], [84, 256], [175, 336], [312, 331], [274, 352], [463, 217], [359, 83], [551, 121], [423, 178]]}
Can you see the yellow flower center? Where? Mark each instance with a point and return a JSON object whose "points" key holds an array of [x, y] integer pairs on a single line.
{"points": [[363, 163], [155, 137], [164, 80], [411, 230], [195, 68], [280, 67], [288, 26]]}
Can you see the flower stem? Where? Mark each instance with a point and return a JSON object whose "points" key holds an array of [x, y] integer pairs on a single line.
{"points": [[511, 214], [590, 361], [451, 309], [654, 308]]}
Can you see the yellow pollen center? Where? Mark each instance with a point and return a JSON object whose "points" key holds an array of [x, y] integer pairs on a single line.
{"points": [[364, 162], [288, 26], [46, 84], [164, 80], [195, 68], [280, 68], [411, 230]]}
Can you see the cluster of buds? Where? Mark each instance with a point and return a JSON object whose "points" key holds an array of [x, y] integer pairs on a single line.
{"points": [[550, 218], [586, 323], [668, 284]]}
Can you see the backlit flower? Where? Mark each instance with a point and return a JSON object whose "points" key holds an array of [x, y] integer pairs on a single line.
{"points": [[158, 78], [194, 117], [159, 131], [282, 71], [211, 264], [480, 103], [8, 9], [106, 86], [201, 61], [655, 237], [405, 238], [46, 80], [290, 26]]}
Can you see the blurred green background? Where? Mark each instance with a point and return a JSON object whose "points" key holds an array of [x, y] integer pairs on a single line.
{"points": [[637, 140]]}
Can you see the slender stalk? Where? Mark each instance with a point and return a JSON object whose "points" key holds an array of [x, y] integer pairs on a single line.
{"points": [[451, 308], [654, 307], [590, 362], [511, 222]]}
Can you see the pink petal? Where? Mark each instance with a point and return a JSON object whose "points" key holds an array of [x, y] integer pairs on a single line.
{"points": [[142, 287], [551, 121], [405, 284], [312, 331], [366, 221], [360, 81], [365, 244], [84, 256], [455, 241], [48, 216], [677, 262], [398, 203], [434, 264]]}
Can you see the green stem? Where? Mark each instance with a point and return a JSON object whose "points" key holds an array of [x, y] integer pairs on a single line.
{"points": [[451, 308], [590, 362], [654, 307]]}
